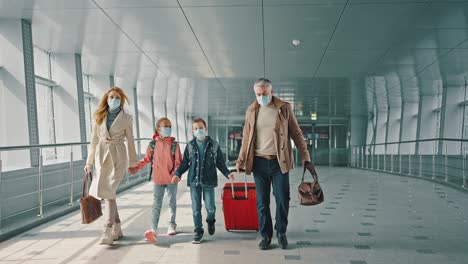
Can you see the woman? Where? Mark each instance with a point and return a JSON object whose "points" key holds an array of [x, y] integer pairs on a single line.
{"points": [[109, 156]]}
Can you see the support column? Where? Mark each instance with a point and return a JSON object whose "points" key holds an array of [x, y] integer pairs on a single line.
{"points": [[442, 119], [153, 118], [111, 81], [137, 117], [81, 110], [402, 108], [30, 84], [175, 108]]}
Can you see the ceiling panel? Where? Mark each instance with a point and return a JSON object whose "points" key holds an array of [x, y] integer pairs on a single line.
{"points": [[348, 63], [302, 2], [292, 64], [205, 3], [46, 4], [124, 4], [444, 16], [84, 21], [374, 26], [182, 58], [166, 41], [429, 38], [231, 38], [417, 59], [312, 25], [452, 68], [164, 32], [147, 20]]}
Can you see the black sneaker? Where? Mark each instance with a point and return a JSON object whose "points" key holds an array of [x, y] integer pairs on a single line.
{"points": [[282, 241], [197, 238], [265, 243], [211, 227]]}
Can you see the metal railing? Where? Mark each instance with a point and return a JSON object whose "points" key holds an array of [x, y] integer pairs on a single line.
{"points": [[438, 159], [60, 175]]}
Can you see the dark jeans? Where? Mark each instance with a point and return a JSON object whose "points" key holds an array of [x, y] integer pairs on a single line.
{"points": [[208, 195], [267, 172]]}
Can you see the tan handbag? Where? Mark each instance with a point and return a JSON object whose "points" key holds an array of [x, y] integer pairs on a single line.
{"points": [[90, 206], [310, 193]]}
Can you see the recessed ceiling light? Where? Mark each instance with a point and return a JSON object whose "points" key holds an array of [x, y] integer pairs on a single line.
{"points": [[296, 42]]}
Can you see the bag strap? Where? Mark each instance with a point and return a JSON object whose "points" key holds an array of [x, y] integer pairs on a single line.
{"points": [[173, 151], [153, 147], [310, 167], [85, 184]]}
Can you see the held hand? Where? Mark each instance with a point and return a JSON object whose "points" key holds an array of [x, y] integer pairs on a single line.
{"points": [[237, 168], [231, 177], [175, 179], [308, 164], [133, 170], [88, 168]]}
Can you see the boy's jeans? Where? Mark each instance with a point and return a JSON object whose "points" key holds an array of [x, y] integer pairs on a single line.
{"points": [[158, 195], [209, 198]]}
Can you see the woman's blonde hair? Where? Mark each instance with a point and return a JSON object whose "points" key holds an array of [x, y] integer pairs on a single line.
{"points": [[103, 107], [160, 120]]}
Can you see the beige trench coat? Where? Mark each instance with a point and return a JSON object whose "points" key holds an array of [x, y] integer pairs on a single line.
{"points": [[109, 155]]}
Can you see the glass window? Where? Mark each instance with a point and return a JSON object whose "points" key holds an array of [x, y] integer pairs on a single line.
{"points": [[42, 63], [45, 119], [45, 103]]}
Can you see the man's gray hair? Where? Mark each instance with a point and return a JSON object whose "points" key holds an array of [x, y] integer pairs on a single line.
{"points": [[262, 82]]}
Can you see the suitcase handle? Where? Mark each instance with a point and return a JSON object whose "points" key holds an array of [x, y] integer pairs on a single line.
{"points": [[239, 198], [245, 184]]}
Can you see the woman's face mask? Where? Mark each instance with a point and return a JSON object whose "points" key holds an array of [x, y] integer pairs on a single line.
{"points": [[113, 103]]}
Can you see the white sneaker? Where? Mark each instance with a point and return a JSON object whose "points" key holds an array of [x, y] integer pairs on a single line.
{"points": [[106, 238], [116, 232], [171, 230]]}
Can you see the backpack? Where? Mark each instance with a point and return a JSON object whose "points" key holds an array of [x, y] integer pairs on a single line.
{"points": [[153, 147], [215, 148]]}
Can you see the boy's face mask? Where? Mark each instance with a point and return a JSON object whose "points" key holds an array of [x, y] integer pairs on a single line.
{"points": [[200, 134]]}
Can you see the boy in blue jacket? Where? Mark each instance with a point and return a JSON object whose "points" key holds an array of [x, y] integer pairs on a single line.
{"points": [[201, 158]]}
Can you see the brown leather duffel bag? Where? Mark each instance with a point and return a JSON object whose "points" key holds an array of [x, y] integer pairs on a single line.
{"points": [[310, 193]]}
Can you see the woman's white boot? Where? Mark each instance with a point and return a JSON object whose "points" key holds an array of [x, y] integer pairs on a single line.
{"points": [[106, 238], [116, 232]]}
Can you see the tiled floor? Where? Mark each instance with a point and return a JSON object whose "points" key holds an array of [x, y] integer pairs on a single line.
{"points": [[367, 217]]}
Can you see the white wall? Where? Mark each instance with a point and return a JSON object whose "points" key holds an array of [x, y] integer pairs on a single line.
{"points": [[144, 91], [13, 108], [171, 100], [160, 93], [453, 118], [409, 126]]}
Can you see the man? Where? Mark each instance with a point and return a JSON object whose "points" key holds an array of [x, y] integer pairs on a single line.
{"points": [[266, 151]]}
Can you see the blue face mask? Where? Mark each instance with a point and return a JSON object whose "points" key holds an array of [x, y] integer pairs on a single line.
{"points": [[113, 103], [200, 133], [264, 100], [165, 131]]}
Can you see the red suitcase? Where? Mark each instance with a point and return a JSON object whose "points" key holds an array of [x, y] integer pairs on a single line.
{"points": [[239, 206]]}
